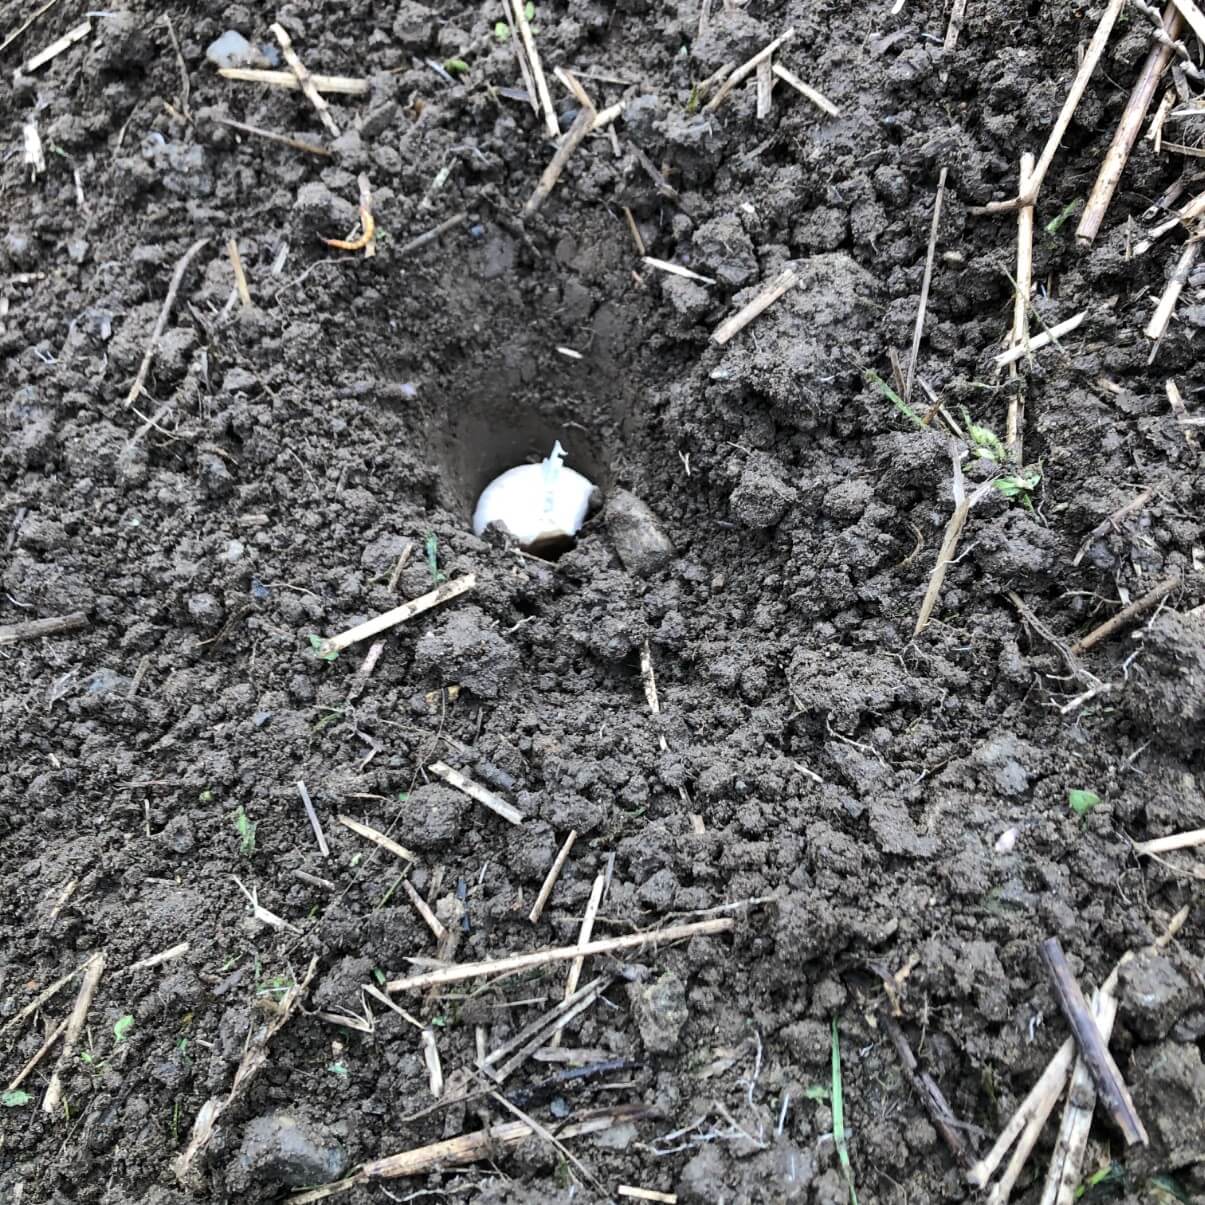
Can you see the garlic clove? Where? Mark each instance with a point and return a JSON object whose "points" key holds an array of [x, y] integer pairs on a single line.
{"points": [[536, 503]]}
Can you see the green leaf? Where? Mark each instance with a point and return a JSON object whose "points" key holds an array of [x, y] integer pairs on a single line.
{"points": [[838, 1106], [318, 644], [894, 398], [338, 1069], [817, 1092], [529, 11], [1018, 485], [15, 1099], [456, 66], [122, 1027], [502, 31], [987, 442], [1052, 227], [1082, 802], [431, 551], [245, 827]]}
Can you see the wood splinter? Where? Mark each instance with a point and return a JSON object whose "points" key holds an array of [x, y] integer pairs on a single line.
{"points": [[1110, 1086], [1138, 607]]}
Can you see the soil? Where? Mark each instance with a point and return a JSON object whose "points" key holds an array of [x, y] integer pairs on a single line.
{"points": [[768, 525]]}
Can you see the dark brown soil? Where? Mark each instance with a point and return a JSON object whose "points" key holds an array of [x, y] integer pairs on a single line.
{"points": [[851, 779]]}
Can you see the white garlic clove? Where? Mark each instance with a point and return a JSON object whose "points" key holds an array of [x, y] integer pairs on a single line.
{"points": [[536, 503]]}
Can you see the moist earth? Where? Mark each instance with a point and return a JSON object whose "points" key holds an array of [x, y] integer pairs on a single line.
{"points": [[884, 816]]}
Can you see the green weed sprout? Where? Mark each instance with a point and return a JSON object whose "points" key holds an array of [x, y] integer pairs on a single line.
{"points": [[245, 827], [838, 1104]]}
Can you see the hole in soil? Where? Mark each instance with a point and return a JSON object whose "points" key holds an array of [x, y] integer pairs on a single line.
{"points": [[511, 404]]}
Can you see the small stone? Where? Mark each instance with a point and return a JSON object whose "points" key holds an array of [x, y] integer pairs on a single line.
{"points": [[105, 682], [235, 550], [413, 25], [465, 648], [434, 816], [239, 380], [1153, 996], [660, 1011], [640, 543], [177, 835], [761, 499], [205, 610], [231, 49], [283, 1149]]}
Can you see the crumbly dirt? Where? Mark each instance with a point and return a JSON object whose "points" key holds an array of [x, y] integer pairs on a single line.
{"points": [[896, 806]]}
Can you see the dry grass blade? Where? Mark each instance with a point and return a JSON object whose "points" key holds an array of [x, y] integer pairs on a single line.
{"points": [[75, 1026], [820, 101], [1157, 327], [1020, 333], [945, 555], [297, 144], [1163, 845], [583, 123], [255, 1057], [926, 281], [519, 20], [161, 323]]}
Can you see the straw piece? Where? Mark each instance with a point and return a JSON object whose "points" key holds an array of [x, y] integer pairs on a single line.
{"points": [[1138, 607], [583, 123], [743, 72], [523, 962], [665, 265], [476, 791], [537, 68], [820, 101], [1157, 327], [57, 47], [1125, 136], [554, 873], [782, 283], [442, 593], [1163, 845], [379, 838], [1094, 1050], [583, 938], [304, 79], [75, 1026], [343, 84], [315, 823], [1013, 354], [437, 927], [1092, 56]]}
